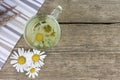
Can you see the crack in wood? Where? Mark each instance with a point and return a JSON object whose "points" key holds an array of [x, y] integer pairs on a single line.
{"points": [[89, 22]]}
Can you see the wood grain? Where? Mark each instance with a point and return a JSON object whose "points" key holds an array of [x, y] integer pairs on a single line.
{"points": [[73, 66], [85, 38], [85, 10], [85, 52]]}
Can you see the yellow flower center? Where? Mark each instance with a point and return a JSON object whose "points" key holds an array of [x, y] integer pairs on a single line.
{"points": [[21, 60], [36, 57], [32, 70], [39, 37]]}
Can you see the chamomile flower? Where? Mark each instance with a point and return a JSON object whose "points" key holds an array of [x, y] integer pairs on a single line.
{"points": [[38, 39], [32, 71], [28, 61], [38, 58], [19, 60]]}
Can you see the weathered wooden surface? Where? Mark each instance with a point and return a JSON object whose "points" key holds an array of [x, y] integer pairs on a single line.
{"points": [[85, 51], [86, 10], [85, 38]]}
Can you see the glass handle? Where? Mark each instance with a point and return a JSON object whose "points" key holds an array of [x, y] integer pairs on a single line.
{"points": [[56, 12]]}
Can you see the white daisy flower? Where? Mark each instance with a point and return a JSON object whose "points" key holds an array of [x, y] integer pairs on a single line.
{"points": [[19, 60], [32, 71], [38, 58]]}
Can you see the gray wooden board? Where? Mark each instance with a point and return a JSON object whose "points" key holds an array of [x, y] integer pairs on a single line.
{"points": [[85, 38], [85, 10]]}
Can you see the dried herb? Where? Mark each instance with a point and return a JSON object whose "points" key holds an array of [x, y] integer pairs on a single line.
{"points": [[47, 28]]}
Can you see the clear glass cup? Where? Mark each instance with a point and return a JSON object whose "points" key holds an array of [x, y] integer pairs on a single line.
{"points": [[43, 31]]}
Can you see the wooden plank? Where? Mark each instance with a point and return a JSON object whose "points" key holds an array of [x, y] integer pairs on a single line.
{"points": [[86, 38], [85, 10], [73, 66]]}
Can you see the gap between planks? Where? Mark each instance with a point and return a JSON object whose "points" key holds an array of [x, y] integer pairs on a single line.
{"points": [[89, 22]]}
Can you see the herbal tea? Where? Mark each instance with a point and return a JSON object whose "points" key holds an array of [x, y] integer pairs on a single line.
{"points": [[42, 32]]}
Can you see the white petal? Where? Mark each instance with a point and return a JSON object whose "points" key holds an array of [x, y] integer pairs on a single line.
{"points": [[33, 50], [17, 69], [16, 54], [21, 70], [13, 57], [33, 76], [19, 51], [43, 57], [42, 53], [15, 65], [13, 62], [28, 52], [22, 51], [38, 69], [36, 51], [36, 74], [29, 75], [41, 63]]}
